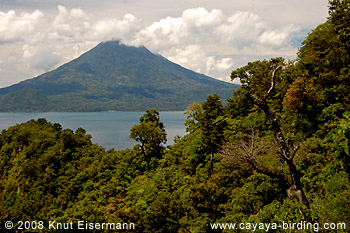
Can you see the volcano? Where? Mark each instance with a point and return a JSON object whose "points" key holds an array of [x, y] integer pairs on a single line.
{"points": [[113, 77]]}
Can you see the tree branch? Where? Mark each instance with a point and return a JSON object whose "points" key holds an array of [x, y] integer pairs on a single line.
{"points": [[273, 80], [296, 148]]}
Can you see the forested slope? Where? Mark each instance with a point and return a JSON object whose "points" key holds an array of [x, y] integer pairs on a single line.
{"points": [[278, 151]]}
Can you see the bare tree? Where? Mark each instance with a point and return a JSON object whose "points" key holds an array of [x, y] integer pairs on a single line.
{"points": [[287, 151], [248, 150]]}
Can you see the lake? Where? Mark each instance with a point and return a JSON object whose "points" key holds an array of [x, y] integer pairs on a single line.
{"points": [[108, 129]]}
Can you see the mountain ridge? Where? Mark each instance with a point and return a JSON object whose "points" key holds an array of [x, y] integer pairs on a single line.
{"points": [[113, 77]]}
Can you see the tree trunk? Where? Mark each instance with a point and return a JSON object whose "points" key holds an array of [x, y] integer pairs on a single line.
{"points": [[285, 151]]}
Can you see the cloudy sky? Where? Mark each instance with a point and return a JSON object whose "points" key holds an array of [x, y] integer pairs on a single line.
{"points": [[208, 36]]}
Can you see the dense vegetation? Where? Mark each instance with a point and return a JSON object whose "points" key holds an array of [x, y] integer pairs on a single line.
{"points": [[277, 151], [112, 77]]}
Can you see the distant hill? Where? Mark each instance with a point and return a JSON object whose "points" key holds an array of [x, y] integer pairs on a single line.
{"points": [[113, 77]]}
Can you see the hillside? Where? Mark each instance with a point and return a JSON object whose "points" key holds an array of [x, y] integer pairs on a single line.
{"points": [[275, 158], [113, 77]]}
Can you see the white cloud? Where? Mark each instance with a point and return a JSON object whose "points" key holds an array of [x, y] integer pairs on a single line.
{"points": [[199, 19], [45, 41], [277, 37], [14, 27], [195, 58], [162, 34], [241, 29], [190, 56], [68, 25], [194, 39], [41, 58], [206, 41], [111, 29]]}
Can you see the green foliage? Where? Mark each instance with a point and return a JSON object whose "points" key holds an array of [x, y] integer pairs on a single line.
{"points": [[325, 55], [256, 76], [151, 134], [194, 112], [212, 124], [49, 173]]}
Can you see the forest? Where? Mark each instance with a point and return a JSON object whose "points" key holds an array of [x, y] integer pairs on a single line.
{"points": [[276, 152]]}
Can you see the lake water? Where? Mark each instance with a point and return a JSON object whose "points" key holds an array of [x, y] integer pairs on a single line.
{"points": [[108, 129]]}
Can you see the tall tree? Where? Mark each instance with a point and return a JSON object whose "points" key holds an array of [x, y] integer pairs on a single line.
{"points": [[212, 126], [259, 79], [194, 112], [150, 132]]}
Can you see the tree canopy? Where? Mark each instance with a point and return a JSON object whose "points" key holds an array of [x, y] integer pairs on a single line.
{"points": [[151, 134], [277, 151]]}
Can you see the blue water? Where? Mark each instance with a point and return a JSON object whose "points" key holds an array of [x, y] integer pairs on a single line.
{"points": [[108, 129]]}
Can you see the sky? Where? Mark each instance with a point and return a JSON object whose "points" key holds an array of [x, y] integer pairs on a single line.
{"points": [[212, 37]]}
